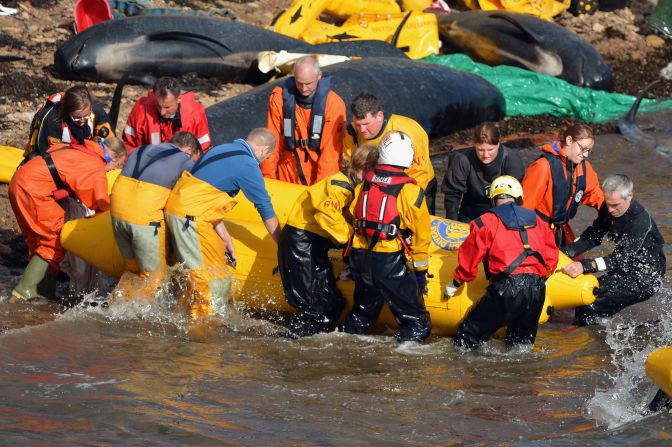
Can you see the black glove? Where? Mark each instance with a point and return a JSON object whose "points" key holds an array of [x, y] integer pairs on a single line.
{"points": [[421, 278]]}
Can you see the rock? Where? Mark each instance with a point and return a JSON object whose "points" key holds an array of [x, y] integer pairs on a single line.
{"points": [[655, 41]]}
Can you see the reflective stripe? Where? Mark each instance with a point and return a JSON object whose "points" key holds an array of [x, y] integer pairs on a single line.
{"points": [[128, 130], [287, 128], [601, 264], [420, 264], [204, 139], [66, 135], [317, 124], [155, 138], [381, 213]]}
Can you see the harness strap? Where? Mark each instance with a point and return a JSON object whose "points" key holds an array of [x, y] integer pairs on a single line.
{"points": [[527, 252], [187, 221], [137, 172]]}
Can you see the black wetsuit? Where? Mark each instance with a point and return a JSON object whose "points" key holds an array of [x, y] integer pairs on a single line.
{"points": [[467, 180], [635, 269]]}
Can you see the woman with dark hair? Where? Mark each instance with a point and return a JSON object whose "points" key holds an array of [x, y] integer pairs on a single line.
{"points": [[466, 183], [562, 178]]}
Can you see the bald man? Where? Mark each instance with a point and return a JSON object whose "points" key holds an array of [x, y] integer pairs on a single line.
{"points": [[308, 120]]}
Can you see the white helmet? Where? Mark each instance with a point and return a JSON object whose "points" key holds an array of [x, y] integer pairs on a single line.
{"points": [[396, 149]]}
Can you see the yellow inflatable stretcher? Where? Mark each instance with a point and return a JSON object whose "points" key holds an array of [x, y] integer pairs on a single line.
{"points": [[257, 287], [10, 159], [659, 369]]}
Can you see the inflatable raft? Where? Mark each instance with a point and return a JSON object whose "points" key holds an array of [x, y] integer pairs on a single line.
{"points": [[255, 285], [659, 369], [10, 159]]}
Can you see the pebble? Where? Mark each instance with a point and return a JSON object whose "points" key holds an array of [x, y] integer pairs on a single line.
{"points": [[655, 41]]}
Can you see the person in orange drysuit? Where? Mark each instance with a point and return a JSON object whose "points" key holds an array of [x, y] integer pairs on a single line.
{"points": [[545, 185], [165, 110], [305, 101], [34, 192]]}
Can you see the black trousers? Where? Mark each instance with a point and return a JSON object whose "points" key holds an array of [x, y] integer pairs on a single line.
{"points": [[516, 300], [383, 277], [308, 281], [617, 291]]}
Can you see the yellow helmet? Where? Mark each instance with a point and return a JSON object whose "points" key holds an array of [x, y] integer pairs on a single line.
{"points": [[506, 185]]}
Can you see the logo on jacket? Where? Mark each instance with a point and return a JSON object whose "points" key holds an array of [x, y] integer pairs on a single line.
{"points": [[379, 179], [578, 197]]}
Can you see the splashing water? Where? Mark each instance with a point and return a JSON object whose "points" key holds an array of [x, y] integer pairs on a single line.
{"points": [[632, 335]]}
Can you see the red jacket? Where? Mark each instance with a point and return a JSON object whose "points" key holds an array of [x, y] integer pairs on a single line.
{"points": [[144, 125], [490, 238]]}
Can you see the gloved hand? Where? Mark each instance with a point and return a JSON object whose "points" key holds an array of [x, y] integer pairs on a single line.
{"points": [[451, 289], [421, 278]]}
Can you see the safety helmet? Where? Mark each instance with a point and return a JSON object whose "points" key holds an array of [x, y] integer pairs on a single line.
{"points": [[396, 149], [505, 185]]}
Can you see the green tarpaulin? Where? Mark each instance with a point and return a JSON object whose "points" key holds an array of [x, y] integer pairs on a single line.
{"points": [[529, 93]]}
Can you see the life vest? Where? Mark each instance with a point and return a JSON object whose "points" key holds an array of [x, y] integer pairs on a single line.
{"points": [[376, 213], [316, 125], [565, 203], [520, 221], [42, 116]]}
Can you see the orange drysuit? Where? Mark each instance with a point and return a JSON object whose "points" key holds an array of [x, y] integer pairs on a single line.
{"points": [[145, 125], [312, 165], [541, 179], [31, 194]]}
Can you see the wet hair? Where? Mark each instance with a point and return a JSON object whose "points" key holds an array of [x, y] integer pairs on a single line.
{"points": [[578, 131], [166, 85], [486, 133], [262, 137], [364, 103], [364, 158], [187, 139], [75, 98], [619, 183], [305, 60]]}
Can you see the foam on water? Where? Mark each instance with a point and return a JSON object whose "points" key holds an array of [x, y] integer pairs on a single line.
{"points": [[632, 335]]}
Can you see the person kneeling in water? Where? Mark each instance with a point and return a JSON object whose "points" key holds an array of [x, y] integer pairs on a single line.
{"points": [[316, 224], [520, 252], [635, 269]]}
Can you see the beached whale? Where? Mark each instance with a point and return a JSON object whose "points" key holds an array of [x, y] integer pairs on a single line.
{"points": [[627, 126], [441, 99], [521, 40], [144, 48]]}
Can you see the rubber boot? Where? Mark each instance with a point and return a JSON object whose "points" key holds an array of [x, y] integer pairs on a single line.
{"points": [[35, 273], [47, 287]]}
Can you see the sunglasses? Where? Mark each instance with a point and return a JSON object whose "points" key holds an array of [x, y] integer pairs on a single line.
{"points": [[80, 119]]}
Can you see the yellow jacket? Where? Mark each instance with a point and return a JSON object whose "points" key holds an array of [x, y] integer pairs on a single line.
{"points": [[413, 216], [319, 209], [421, 169]]}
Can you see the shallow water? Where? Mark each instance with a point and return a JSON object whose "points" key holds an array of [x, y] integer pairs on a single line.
{"points": [[136, 374]]}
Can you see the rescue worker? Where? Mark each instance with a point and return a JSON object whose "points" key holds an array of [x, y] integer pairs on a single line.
{"points": [[83, 277], [561, 178], [138, 224], [389, 208], [518, 253], [200, 200], [470, 173], [69, 117], [634, 271], [308, 121], [316, 224], [165, 111], [34, 192], [370, 124]]}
